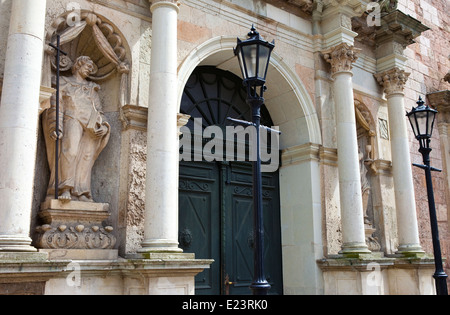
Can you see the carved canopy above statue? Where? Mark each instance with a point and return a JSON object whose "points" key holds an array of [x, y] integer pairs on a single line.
{"points": [[94, 37]]}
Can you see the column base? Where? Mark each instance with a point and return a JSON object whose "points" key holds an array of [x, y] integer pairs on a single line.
{"points": [[410, 251], [159, 246], [354, 250], [16, 244]]}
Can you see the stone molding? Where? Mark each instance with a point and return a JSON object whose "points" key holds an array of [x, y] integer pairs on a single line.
{"points": [[300, 153], [393, 81], [134, 117], [341, 57], [182, 120]]}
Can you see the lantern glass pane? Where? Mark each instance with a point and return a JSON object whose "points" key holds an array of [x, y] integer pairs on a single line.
{"points": [[412, 120], [241, 63], [431, 118], [249, 53], [264, 57], [422, 122]]}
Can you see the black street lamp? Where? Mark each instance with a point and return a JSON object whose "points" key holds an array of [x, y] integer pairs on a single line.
{"points": [[422, 120], [254, 59]]}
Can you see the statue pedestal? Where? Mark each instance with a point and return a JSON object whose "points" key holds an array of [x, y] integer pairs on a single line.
{"points": [[75, 226]]}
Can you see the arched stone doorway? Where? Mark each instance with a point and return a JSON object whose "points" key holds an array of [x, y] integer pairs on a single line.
{"points": [[215, 198], [291, 108]]}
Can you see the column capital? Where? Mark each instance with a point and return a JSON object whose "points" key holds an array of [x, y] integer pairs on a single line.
{"points": [[341, 57], [158, 3], [393, 80]]}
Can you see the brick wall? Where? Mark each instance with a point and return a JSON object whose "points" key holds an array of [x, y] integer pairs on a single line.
{"points": [[428, 64]]}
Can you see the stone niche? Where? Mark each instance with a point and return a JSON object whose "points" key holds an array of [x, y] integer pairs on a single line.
{"points": [[87, 229]]}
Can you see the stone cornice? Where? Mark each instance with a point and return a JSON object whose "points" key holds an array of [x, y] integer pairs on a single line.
{"points": [[350, 7], [341, 57], [399, 27], [393, 81], [395, 26], [305, 5]]}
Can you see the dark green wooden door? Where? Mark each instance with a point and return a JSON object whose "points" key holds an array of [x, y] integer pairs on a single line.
{"points": [[215, 198], [237, 243], [216, 210]]}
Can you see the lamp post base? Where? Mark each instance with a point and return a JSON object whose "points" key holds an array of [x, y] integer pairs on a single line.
{"points": [[260, 288], [441, 283]]}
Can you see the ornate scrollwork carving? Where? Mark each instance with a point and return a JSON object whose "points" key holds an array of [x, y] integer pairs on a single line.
{"points": [[341, 57], [393, 80], [75, 237], [194, 186]]}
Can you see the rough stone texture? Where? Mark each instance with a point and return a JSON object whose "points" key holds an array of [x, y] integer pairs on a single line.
{"points": [[136, 195]]}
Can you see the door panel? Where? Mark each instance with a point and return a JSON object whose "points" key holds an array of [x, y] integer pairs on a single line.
{"points": [[199, 221], [239, 241]]}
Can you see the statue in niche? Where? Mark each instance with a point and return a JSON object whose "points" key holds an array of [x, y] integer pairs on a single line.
{"points": [[365, 185], [83, 133], [366, 141]]}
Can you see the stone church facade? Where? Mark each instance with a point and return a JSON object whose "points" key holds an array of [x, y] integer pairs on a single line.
{"points": [[347, 212]]}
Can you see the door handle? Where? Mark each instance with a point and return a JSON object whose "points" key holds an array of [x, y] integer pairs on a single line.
{"points": [[227, 284]]}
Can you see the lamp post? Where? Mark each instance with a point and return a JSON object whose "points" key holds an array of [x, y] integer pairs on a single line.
{"points": [[422, 120], [254, 58]]}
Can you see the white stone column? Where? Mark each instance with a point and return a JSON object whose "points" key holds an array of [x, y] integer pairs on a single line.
{"points": [[19, 121], [161, 205], [341, 58], [393, 82]]}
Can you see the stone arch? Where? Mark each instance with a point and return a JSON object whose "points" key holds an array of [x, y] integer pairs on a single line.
{"points": [[284, 85], [292, 109]]}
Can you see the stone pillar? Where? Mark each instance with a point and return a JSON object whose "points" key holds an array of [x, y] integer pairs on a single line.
{"points": [[19, 121], [393, 82], [161, 192], [341, 58]]}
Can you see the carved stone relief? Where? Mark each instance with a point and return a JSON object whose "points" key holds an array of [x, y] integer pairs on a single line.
{"points": [[74, 225], [384, 128]]}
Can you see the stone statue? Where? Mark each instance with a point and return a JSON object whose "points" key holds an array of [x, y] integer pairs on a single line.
{"points": [[83, 133]]}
